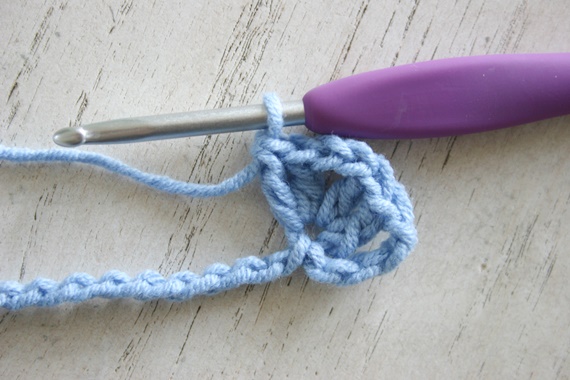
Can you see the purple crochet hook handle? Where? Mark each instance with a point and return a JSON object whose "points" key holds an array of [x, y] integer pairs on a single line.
{"points": [[443, 98]]}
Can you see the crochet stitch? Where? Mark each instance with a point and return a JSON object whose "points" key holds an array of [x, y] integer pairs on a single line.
{"points": [[292, 169]]}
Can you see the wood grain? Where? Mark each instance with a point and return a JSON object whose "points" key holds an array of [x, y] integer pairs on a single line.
{"points": [[485, 294]]}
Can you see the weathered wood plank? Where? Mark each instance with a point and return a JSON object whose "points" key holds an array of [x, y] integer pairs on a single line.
{"points": [[485, 294]]}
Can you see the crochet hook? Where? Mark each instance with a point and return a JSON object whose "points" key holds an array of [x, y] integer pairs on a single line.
{"points": [[446, 97]]}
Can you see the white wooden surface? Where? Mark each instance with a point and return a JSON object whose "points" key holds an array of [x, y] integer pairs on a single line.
{"points": [[484, 295]]}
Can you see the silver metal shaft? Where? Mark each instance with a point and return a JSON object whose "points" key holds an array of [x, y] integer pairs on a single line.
{"points": [[177, 125]]}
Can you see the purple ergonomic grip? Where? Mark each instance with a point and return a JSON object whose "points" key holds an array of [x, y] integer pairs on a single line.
{"points": [[443, 98]]}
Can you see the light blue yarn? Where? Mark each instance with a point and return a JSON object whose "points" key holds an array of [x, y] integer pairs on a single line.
{"points": [[292, 169]]}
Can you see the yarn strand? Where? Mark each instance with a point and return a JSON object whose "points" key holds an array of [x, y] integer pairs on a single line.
{"points": [[158, 182], [292, 170]]}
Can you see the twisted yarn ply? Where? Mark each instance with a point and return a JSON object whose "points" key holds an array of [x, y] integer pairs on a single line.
{"points": [[349, 213]]}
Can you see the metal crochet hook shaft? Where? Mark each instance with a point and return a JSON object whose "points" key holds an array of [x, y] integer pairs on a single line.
{"points": [[177, 125]]}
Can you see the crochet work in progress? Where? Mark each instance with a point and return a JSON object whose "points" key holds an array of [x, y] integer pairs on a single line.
{"points": [[349, 213]]}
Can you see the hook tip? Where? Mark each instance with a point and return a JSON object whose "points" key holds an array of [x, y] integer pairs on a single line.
{"points": [[69, 137]]}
